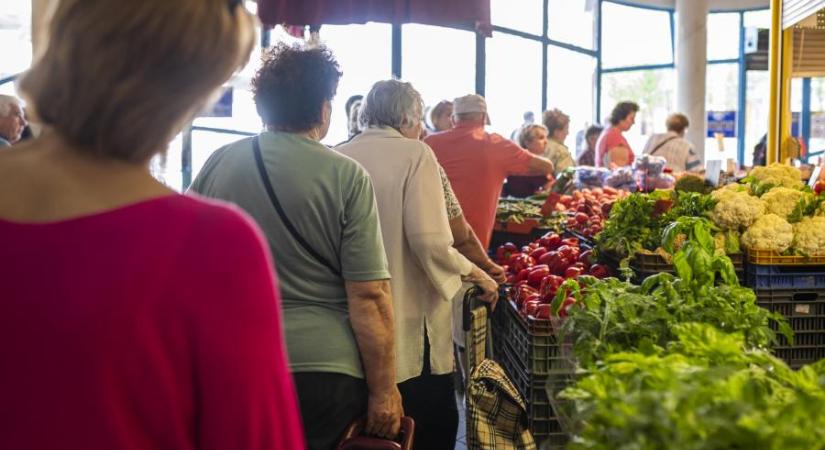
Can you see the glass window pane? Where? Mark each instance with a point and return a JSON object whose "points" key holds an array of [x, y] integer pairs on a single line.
{"points": [[522, 15], [511, 92], [722, 94], [653, 90], [723, 36], [15, 34], [817, 140], [757, 106], [439, 62], [571, 88], [573, 22], [635, 36], [364, 53], [758, 19]]}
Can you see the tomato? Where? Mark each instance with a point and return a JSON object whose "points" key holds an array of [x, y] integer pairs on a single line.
{"points": [[522, 274], [522, 262], [537, 273], [572, 272], [549, 285], [565, 307], [504, 252], [530, 307], [536, 253], [548, 258], [573, 242], [581, 217], [543, 311], [550, 241], [584, 258], [560, 265], [599, 271]]}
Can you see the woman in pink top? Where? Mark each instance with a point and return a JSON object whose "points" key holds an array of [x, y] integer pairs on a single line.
{"points": [[612, 149], [132, 317]]}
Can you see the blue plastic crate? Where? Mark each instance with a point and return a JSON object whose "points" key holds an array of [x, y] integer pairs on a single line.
{"points": [[785, 277]]}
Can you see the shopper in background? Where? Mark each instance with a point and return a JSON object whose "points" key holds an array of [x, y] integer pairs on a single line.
{"points": [[132, 316], [673, 146], [426, 270], [612, 149], [591, 136], [12, 120], [334, 276], [558, 127], [441, 116], [352, 120], [532, 138], [477, 162], [528, 118]]}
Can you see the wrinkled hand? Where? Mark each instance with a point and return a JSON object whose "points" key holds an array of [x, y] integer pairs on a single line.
{"points": [[384, 412], [497, 273], [488, 286]]}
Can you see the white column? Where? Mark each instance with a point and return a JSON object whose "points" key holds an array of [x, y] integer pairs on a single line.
{"points": [[691, 67]]}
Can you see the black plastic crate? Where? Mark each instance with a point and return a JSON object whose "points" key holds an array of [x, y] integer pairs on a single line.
{"points": [[542, 421], [778, 277], [533, 344], [645, 265], [805, 311]]}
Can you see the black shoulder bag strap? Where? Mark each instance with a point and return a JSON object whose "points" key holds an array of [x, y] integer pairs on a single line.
{"points": [[259, 161], [661, 144]]}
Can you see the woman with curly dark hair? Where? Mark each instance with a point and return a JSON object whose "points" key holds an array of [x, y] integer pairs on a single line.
{"points": [[318, 211]]}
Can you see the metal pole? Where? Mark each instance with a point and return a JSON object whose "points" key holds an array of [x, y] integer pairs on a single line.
{"points": [[742, 107], [186, 158], [544, 59], [481, 63], [805, 119], [396, 50], [598, 108], [775, 65]]}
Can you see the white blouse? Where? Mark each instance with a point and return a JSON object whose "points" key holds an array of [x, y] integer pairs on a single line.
{"points": [[425, 268]]}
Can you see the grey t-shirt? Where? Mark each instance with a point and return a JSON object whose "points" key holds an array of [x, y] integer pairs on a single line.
{"points": [[329, 199]]}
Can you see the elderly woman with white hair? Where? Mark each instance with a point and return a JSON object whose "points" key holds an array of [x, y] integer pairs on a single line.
{"points": [[427, 272]]}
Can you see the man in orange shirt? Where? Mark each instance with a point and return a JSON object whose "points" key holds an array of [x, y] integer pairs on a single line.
{"points": [[477, 162]]}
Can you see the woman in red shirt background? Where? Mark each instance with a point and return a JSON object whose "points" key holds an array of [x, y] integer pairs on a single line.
{"points": [[612, 149], [132, 317]]}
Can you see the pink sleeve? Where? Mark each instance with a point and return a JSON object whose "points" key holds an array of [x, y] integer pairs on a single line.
{"points": [[513, 159], [245, 394]]}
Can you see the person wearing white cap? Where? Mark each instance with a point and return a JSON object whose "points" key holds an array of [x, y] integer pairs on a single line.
{"points": [[477, 162]]}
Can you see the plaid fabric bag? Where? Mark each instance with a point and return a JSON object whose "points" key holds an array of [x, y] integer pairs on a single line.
{"points": [[496, 414]]}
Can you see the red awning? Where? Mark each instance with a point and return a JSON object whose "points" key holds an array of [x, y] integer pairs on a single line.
{"points": [[472, 14]]}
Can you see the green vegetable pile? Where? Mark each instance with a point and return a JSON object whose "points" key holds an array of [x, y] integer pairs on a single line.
{"points": [[637, 223], [519, 211], [707, 390]]}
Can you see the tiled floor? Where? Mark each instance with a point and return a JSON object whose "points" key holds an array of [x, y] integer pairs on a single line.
{"points": [[461, 438]]}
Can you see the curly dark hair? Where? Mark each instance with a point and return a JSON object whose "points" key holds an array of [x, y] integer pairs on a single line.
{"points": [[292, 85], [621, 111]]}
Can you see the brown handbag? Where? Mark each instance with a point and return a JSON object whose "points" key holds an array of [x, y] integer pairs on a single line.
{"points": [[354, 439]]}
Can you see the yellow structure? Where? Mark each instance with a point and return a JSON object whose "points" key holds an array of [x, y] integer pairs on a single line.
{"points": [[790, 56]]}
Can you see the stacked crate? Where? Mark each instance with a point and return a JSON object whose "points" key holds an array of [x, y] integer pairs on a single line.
{"points": [[793, 286], [531, 356]]}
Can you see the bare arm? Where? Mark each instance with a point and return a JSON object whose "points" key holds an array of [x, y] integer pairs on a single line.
{"points": [[371, 316], [539, 165], [467, 243], [619, 156]]}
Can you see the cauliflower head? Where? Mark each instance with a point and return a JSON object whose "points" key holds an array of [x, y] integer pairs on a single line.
{"points": [[778, 175], [737, 210], [769, 232], [782, 201], [728, 189], [809, 236]]}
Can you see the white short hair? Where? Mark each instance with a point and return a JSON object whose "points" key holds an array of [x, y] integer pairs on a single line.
{"points": [[5, 104], [391, 103]]}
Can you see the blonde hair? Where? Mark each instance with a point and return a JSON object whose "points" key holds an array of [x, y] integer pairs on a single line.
{"points": [[525, 135], [118, 79]]}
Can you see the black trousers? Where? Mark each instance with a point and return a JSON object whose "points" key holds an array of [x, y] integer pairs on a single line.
{"points": [[430, 400], [329, 402]]}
